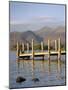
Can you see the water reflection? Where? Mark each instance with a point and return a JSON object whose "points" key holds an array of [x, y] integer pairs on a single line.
{"points": [[43, 67], [33, 68], [18, 64], [39, 69], [36, 68], [49, 67], [59, 69]]}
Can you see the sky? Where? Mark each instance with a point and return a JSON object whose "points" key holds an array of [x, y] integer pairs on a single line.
{"points": [[35, 15]]}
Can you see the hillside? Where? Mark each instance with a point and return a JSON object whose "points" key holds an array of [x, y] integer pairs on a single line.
{"points": [[24, 37], [52, 33], [43, 34]]}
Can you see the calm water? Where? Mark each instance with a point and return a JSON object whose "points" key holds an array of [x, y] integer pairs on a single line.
{"points": [[49, 74]]}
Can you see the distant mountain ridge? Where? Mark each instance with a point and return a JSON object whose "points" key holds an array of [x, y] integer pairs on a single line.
{"points": [[24, 37], [29, 35], [52, 33], [40, 35]]}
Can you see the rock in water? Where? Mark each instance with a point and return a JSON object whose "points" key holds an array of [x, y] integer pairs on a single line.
{"points": [[35, 79], [20, 79]]}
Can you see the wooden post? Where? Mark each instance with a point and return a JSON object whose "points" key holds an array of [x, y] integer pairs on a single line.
{"points": [[27, 47], [42, 50], [23, 48], [32, 49], [49, 56], [17, 49], [49, 49], [59, 49], [55, 45], [32, 59], [42, 46], [20, 48]]}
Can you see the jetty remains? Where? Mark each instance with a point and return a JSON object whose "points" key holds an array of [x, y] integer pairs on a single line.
{"points": [[26, 54]]}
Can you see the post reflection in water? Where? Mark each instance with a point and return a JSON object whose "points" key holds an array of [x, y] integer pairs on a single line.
{"points": [[59, 69], [34, 78], [18, 66], [43, 67], [49, 72], [30, 70], [33, 68], [49, 67], [24, 63]]}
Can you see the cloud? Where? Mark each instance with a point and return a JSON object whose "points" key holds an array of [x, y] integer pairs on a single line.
{"points": [[37, 20], [43, 19], [18, 22], [48, 18]]}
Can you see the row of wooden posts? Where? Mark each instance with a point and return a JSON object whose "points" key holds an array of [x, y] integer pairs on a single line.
{"points": [[42, 45], [57, 48]]}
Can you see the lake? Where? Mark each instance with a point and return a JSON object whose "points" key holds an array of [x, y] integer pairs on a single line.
{"points": [[49, 74]]}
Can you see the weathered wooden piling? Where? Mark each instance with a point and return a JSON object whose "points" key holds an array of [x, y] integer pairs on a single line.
{"points": [[48, 49], [59, 49], [20, 48], [42, 49], [42, 46], [27, 47], [40, 53], [17, 49], [32, 49], [55, 45], [23, 47]]}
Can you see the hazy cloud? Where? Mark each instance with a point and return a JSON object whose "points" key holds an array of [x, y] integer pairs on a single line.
{"points": [[43, 19], [40, 19]]}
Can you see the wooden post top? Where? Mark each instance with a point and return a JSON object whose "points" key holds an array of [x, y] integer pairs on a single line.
{"points": [[42, 46], [59, 44], [55, 45], [48, 44], [32, 40]]}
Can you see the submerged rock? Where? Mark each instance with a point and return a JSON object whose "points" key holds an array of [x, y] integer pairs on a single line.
{"points": [[20, 79], [35, 79]]}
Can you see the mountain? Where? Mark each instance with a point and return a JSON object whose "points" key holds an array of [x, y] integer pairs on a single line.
{"points": [[29, 35], [52, 33], [42, 34], [25, 37]]}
